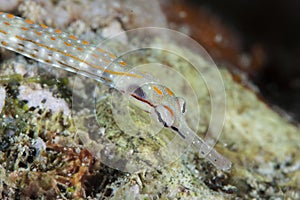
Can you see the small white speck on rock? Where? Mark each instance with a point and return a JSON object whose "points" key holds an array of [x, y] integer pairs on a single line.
{"points": [[2, 98], [135, 189], [102, 131], [20, 69], [39, 145], [77, 150]]}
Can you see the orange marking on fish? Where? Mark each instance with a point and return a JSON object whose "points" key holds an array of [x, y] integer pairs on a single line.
{"points": [[58, 31], [33, 55], [73, 37], [53, 38], [10, 16], [25, 29], [38, 33], [85, 42], [79, 49], [20, 50], [67, 44], [122, 63], [28, 21], [170, 110], [18, 37], [6, 23], [43, 26], [111, 55], [4, 43], [169, 91], [4, 32], [158, 91], [95, 55], [101, 50], [106, 60]]}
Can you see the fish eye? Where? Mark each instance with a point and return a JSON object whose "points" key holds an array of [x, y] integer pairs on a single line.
{"points": [[181, 104], [139, 92]]}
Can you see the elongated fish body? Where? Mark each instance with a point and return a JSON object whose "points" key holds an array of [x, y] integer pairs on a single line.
{"points": [[62, 50], [59, 49]]}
